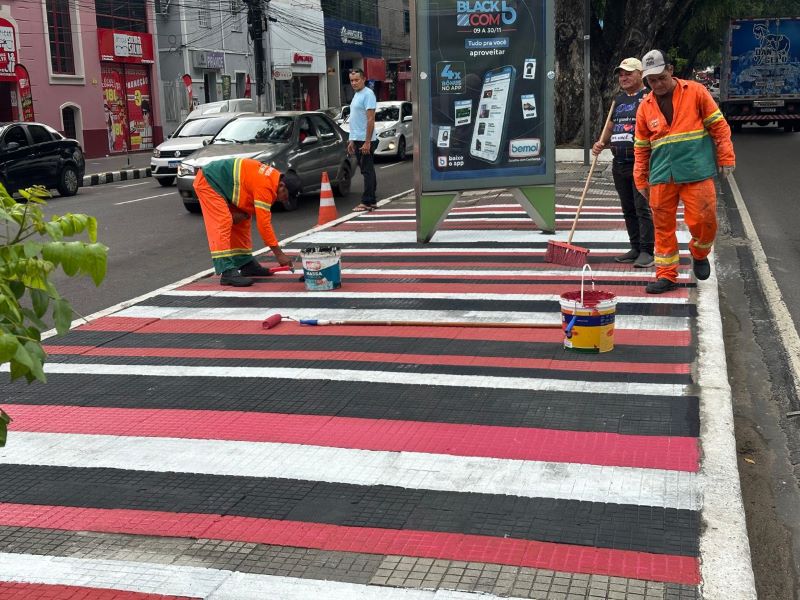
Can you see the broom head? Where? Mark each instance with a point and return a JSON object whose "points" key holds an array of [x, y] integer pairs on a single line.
{"points": [[563, 253]]}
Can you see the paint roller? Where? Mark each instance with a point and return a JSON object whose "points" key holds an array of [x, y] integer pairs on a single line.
{"points": [[275, 320]]}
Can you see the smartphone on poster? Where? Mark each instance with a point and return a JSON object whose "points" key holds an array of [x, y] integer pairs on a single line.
{"points": [[489, 133]]}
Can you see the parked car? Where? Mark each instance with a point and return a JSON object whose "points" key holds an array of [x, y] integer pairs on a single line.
{"points": [[394, 129], [188, 137], [223, 106], [303, 143], [36, 154], [338, 113]]}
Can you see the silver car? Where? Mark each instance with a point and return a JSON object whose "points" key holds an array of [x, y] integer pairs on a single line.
{"points": [[189, 137], [393, 127], [305, 144]]}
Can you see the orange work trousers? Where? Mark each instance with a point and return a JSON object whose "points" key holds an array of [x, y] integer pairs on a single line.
{"points": [[230, 243], [700, 214]]}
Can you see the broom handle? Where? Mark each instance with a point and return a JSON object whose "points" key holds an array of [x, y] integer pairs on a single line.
{"points": [[588, 179]]}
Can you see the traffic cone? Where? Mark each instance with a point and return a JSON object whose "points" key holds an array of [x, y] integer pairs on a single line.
{"points": [[327, 207]]}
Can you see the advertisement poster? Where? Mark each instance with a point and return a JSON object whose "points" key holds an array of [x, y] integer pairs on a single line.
{"points": [[114, 108], [486, 95], [140, 118], [8, 50], [25, 94]]}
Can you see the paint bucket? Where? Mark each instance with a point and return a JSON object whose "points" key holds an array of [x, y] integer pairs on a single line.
{"points": [[322, 268], [588, 318]]}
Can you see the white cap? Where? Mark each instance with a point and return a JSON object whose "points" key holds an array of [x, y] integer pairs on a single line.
{"points": [[629, 64], [654, 62]]}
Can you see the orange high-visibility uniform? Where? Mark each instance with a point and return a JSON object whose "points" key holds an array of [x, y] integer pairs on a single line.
{"points": [[677, 161], [229, 184]]}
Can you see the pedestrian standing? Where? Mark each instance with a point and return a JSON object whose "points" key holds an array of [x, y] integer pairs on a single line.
{"points": [[232, 191], [619, 134], [363, 140], [681, 139]]}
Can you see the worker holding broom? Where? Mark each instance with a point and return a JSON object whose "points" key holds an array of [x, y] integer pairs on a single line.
{"points": [[231, 191], [678, 129], [618, 132]]}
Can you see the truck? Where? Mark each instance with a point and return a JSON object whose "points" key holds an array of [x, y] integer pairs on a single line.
{"points": [[760, 73]]}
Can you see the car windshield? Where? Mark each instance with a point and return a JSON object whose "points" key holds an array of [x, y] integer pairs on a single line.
{"points": [[201, 127], [265, 129], [387, 113]]}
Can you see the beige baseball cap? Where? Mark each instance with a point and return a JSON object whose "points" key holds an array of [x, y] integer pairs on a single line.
{"points": [[630, 64]]}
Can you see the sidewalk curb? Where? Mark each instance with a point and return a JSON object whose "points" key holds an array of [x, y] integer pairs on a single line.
{"points": [[114, 176]]}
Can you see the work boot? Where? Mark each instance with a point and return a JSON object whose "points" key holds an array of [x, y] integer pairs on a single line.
{"points": [[644, 260], [628, 257], [660, 286], [234, 278], [254, 269], [701, 268]]}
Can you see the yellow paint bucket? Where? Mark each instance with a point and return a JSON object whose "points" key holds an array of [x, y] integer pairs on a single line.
{"points": [[587, 318]]}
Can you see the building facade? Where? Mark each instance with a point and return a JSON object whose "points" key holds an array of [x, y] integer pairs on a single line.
{"points": [[394, 20], [84, 68]]}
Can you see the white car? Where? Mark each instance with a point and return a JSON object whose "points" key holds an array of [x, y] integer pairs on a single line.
{"points": [[394, 128]]}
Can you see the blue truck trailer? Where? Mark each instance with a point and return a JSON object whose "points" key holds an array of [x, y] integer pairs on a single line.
{"points": [[760, 73]]}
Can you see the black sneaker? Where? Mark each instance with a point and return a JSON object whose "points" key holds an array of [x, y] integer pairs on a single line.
{"points": [[628, 257], [254, 269], [701, 268], [644, 260], [660, 286], [234, 278]]}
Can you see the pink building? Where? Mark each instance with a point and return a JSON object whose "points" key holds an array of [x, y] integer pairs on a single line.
{"points": [[86, 69]]}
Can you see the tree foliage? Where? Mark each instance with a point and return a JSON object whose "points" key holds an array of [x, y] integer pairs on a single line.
{"points": [[691, 31], [31, 249]]}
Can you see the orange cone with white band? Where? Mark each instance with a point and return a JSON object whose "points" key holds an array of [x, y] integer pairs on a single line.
{"points": [[327, 207]]}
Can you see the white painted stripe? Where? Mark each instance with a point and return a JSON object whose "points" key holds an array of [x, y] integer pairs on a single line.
{"points": [[146, 198], [409, 470], [635, 322], [411, 295], [619, 236], [133, 184], [632, 273], [200, 582], [487, 210], [585, 218], [434, 249]]}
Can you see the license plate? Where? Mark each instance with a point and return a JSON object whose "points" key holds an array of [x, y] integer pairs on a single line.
{"points": [[763, 110], [173, 164]]}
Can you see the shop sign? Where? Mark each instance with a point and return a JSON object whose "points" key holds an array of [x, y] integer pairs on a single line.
{"points": [[352, 37], [125, 46], [8, 51], [202, 59], [302, 59], [25, 94], [281, 73]]}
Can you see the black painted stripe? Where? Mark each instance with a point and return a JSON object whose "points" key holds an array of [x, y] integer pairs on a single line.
{"points": [[622, 527], [403, 304], [471, 245], [477, 262], [613, 413], [576, 376], [383, 345]]}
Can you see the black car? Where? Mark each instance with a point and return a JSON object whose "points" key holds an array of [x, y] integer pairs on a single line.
{"points": [[36, 154]]}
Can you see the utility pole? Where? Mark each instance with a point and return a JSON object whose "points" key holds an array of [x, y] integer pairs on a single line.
{"points": [[255, 25]]}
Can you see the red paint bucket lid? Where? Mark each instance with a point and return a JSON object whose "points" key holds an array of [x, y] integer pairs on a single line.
{"points": [[591, 298]]}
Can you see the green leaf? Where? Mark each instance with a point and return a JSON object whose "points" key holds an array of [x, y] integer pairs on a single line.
{"points": [[32, 249], [17, 288], [95, 263], [8, 347], [38, 357], [4, 421], [62, 314], [40, 301], [34, 320]]}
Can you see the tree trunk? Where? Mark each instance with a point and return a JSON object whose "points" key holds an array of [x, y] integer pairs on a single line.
{"points": [[630, 28]]}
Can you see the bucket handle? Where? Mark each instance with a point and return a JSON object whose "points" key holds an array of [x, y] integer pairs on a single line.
{"points": [[583, 273]]}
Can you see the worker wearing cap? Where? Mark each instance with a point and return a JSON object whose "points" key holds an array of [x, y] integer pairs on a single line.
{"points": [[231, 191], [618, 133], [681, 139]]}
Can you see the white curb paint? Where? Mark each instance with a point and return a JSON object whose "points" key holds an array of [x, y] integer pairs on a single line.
{"points": [[409, 470], [199, 582], [725, 564], [475, 381]]}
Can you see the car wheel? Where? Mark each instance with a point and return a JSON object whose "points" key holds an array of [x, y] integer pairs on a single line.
{"points": [[68, 181], [192, 207], [166, 181], [401, 148], [341, 187]]}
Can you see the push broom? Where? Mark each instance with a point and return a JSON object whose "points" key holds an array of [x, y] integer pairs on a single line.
{"points": [[567, 253]]}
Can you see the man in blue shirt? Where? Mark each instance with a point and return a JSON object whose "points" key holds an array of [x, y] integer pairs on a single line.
{"points": [[363, 139]]}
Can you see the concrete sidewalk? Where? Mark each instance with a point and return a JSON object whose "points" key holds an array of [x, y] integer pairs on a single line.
{"points": [[108, 169], [190, 453]]}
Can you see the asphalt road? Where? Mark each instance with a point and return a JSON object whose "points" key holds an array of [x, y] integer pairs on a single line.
{"points": [[153, 241]]}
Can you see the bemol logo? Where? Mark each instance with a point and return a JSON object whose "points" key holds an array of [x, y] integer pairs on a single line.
{"points": [[485, 13], [524, 148]]}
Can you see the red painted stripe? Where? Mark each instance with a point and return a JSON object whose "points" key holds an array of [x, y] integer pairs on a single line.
{"points": [[483, 267], [212, 327], [514, 443], [474, 225], [10, 590], [635, 290], [478, 277], [369, 540], [500, 362]]}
